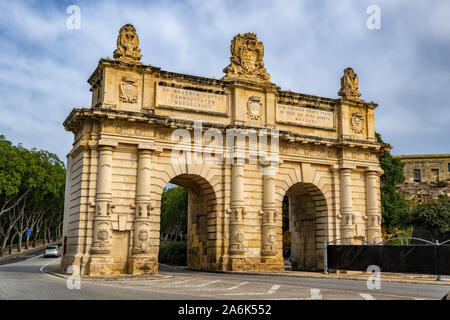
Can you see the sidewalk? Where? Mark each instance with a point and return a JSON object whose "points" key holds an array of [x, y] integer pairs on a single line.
{"points": [[15, 255], [359, 275]]}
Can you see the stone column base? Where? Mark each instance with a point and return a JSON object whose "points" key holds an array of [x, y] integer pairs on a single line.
{"points": [[142, 265], [100, 265], [272, 264], [236, 264]]}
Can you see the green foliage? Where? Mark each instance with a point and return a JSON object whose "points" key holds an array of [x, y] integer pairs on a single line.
{"points": [[12, 167], [35, 180], [433, 216], [392, 201], [174, 210], [173, 252]]}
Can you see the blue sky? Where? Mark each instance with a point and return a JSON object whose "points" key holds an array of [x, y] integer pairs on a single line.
{"points": [[404, 66]]}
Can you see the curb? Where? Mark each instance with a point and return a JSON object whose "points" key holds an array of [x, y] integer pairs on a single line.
{"points": [[108, 278], [432, 282], [435, 282]]}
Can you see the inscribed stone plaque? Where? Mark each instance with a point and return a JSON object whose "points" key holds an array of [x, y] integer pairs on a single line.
{"points": [[178, 98], [305, 116]]}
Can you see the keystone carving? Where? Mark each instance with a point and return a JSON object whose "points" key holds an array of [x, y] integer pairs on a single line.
{"points": [[246, 61], [128, 45]]}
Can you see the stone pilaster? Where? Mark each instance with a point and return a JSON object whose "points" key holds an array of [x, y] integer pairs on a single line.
{"points": [[373, 210], [348, 227], [237, 245], [141, 260], [101, 260], [269, 214]]}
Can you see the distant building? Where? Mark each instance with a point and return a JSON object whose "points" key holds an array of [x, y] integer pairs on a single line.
{"points": [[427, 176]]}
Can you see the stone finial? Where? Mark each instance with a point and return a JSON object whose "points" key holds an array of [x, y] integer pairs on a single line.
{"points": [[128, 45], [246, 61], [349, 85]]}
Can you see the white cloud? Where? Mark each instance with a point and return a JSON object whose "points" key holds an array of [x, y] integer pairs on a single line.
{"points": [[404, 66]]}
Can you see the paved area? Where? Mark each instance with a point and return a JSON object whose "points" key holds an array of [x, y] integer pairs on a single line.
{"points": [[28, 280], [16, 256]]}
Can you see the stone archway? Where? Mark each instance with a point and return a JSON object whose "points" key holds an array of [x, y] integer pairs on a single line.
{"points": [[202, 203], [324, 152], [307, 207]]}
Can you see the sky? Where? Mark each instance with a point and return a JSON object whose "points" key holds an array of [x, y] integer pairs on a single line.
{"points": [[404, 65]]}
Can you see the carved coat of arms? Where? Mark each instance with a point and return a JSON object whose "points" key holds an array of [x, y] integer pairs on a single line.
{"points": [[358, 123], [349, 85], [128, 90], [128, 45], [246, 60], [254, 108]]}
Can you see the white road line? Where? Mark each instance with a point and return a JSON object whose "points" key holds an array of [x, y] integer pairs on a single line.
{"points": [[205, 284], [237, 286], [42, 269], [367, 296], [180, 282], [152, 290], [315, 294], [7, 264], [273, 289]]}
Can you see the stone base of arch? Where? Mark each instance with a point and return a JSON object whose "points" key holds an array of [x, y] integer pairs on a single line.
{"points": [[142, 265]]}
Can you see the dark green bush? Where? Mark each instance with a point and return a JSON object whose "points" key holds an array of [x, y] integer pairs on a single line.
{"points": [[173, 252]]}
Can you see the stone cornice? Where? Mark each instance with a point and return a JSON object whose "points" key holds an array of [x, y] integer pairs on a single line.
{"points": [[78, 115]]}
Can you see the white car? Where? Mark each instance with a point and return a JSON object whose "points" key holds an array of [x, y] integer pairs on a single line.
{"points": [[52, 251]]}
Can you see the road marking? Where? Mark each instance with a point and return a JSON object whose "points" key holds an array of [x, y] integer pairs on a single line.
{"points": [[44, 272], [28, 259], [180, 282], [273, 289], [315, 294], [367, 296], [237, 286], [205, 284], [152, 290]]}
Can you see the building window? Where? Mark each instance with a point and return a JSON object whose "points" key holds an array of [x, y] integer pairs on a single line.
{"points": [[416, 174]]}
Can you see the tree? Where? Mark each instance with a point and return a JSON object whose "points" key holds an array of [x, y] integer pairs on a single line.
{"points": [[431, 216], [174, 211], [392, 201], [31, 191]]}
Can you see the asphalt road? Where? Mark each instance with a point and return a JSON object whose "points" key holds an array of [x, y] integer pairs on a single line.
{"points": [[27, 280]]}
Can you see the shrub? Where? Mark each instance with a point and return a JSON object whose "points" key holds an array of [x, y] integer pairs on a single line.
{"points": [[173, 252]]}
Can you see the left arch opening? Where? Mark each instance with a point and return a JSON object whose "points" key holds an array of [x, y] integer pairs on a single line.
{"points": [[193, 202]]}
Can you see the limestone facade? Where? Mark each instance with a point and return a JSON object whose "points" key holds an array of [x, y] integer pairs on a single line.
{"points": [[122, 158], [426, 176]]}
